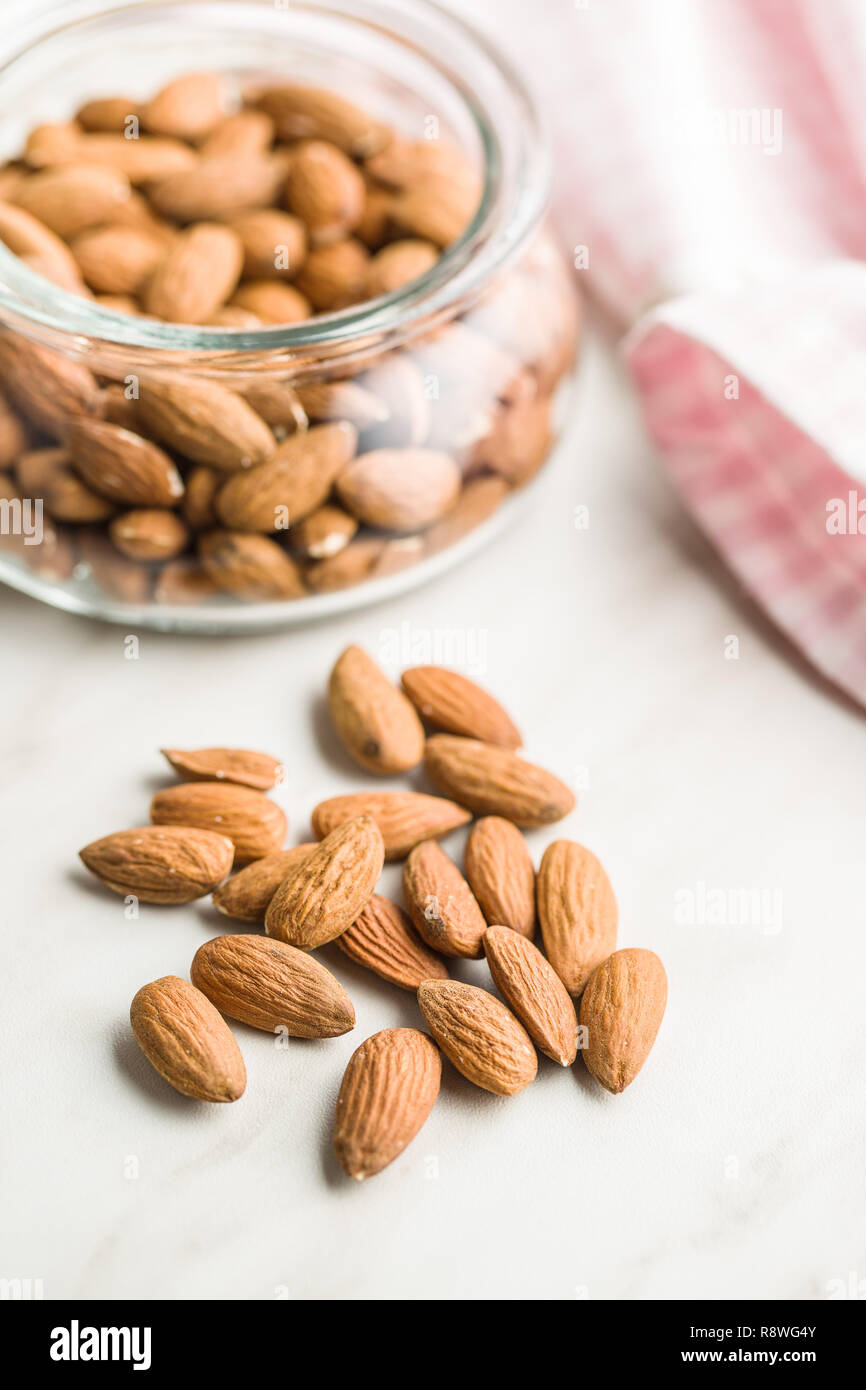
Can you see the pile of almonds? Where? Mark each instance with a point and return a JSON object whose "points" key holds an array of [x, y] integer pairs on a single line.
{"points": [[325, 891], [176, 487]]}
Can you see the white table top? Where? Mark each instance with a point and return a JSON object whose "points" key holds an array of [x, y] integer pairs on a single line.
{"points": [[733, 1166]]}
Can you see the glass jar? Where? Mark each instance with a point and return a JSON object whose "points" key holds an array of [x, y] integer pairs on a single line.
{"points": [[467, 362]]}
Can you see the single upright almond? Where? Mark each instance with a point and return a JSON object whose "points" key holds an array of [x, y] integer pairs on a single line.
{"points": [[400, 489], [383, 939], [577, 910], [251, 567], [479, 1035], [622, 1009], [272, 986], [206, 422], [324, 894], [301, 112], [494, 781], [196, 275], [532, 988], [388, 1090], [404, 818], [188, 107], [160, 864], [374, 720], [457, 705], [500, 873], [240, 766], [294, 481], [441, 903], [246, 895], [122, 465], [184, 1037], [255, 825]]}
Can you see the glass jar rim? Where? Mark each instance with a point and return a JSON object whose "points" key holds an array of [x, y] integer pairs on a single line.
{"points": [[502, 224]]}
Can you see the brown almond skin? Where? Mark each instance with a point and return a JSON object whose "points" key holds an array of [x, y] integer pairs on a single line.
{"points": [[622, 1009], [300, 112], [197, 274], [441, 904], [325, 190], [479, 1035], [383, 939], [255, 825], [206, 422], [160, 864], [122, 465], [400, 489], [324, 894], [251, 567], [404, 818], [46, 387], [217, 188], [246, 895], [184, 1037], [388, 1090], [149, 534], [292, 483], [457, 705], [271, 986], [494, 781], [577, 910], [376, 723], [240, 766], [533, 990], [499, 869], [47, 473], [188, 107]]}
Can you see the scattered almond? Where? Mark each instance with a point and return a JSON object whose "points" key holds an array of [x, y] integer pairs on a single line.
{"points": [[388, 1090], [494, 781], [404, 818], [324, 894], [272, 986], [534, 991], [456, 704], [441, 903], [183, 1036], [479, 1035], [255, 825], [500, 873], [239, 766], [160, 864], [383, 939], [577, 911], [621, 1010], [374, 720], [246, 895]]}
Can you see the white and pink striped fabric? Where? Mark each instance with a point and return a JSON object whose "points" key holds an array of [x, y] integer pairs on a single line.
{"points": [[712, 163]]}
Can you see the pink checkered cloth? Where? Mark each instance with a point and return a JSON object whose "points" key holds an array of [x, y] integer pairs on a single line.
{"points": [[712, 164]]}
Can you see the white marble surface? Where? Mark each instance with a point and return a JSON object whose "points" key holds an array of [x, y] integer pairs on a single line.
{"points": [[733, 1167]]}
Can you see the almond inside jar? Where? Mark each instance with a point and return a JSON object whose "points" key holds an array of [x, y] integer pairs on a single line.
{"points": [[180, 489]]}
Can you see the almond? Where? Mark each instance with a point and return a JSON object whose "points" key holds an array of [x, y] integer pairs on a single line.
{"points": [[47, 473], [479, 500], [187, 107], [122, 465], [149, 534], [383, 939], [301, 112], [479, 1036], [250, 567], [205, 421], [341, 400], [400, 489], [196, 275], [534, 991], [388, 1090], [14, 435], [241, 134], [272, 302], [182, 581], [218, 188], [245, 896], [255, 825], [143, 160], [106, 114], [404, 818], [45, 387], [275, 401], [396, 265], [456, 704], [324, 894], [35, 243], [272, 986], [171, 864], [292, 483], [184, 1037], [441, 903], [410, 163], [274, 242], [71, 199], [577, 910], [493, 781], [500, 873], [325, 189], [239, 766], [333, 276], [325, 532], [125, 580], [519, 441], [374, 720], [439, 210], [118, 260], [352, 564], [621, 1010], [202, 486]]}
